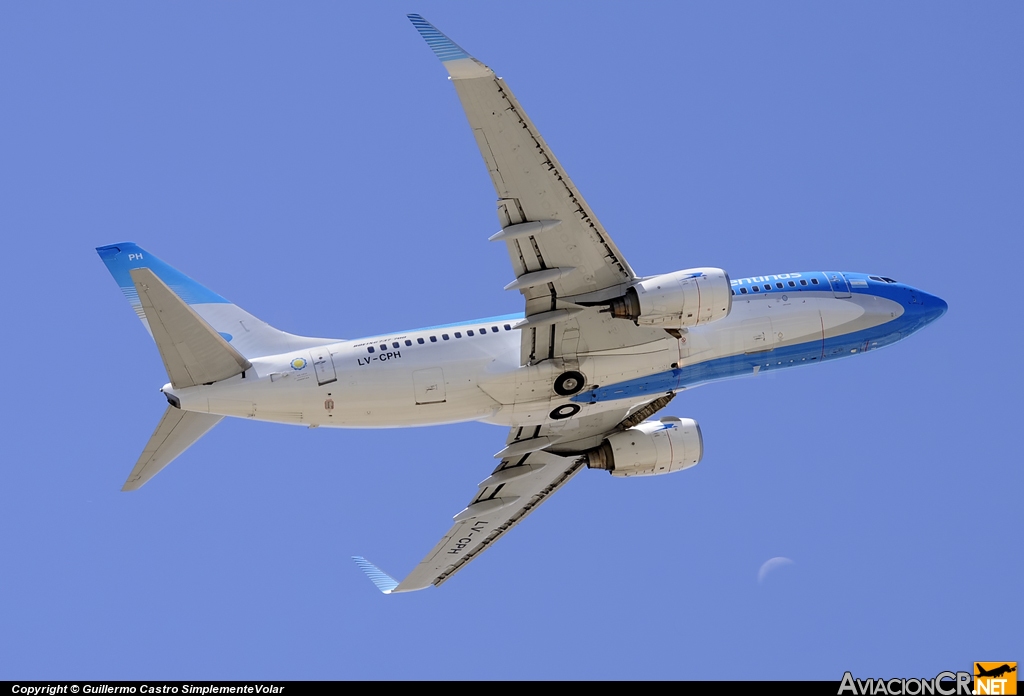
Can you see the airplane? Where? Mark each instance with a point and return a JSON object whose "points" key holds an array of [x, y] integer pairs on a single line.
{"points": [[994, 672], [577, 378]]}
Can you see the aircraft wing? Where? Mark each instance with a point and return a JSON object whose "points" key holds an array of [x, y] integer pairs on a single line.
{"points": [[556, 243], [502, 500], [535, 463]]}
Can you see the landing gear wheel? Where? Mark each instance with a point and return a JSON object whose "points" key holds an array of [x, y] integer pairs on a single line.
{"points": [[565, 411], [569, 383]]}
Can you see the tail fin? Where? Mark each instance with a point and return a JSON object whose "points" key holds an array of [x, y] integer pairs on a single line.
{"points": [[244, 332]]}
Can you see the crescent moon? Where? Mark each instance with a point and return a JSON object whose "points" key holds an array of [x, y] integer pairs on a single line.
{"points": [[771, 564]]}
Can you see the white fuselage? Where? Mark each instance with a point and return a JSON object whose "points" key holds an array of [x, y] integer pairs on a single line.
{"points": [[445, 375]]}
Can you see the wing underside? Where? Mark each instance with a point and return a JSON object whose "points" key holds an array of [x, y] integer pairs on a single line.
{"points": [[515, 489], [547, 225], [503, 500], [535, 463], [560, 252]]}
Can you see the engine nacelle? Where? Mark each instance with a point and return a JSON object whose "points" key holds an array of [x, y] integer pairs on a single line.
{"points": [[679, 300], [651, 448]]}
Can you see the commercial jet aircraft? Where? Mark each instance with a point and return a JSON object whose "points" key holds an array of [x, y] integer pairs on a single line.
{"points": [[576, 378]]}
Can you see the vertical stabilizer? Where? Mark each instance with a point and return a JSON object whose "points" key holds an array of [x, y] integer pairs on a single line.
{"points": [[245, 333]]}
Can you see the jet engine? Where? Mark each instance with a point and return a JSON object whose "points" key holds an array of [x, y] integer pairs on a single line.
{"points": [[677, 300], [651, 448]]}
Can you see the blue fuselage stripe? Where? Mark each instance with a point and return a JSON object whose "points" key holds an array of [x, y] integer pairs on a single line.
{"points": [[920, 310]]}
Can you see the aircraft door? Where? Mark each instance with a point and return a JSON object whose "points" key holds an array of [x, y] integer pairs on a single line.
{"points": [[758, 335], [429, 386], [840, 287], [323, 365]]}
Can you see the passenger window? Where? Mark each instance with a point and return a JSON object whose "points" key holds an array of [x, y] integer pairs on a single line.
{"points": [[507, 327], [767, 288], [792, 284], [483, 329], [395, 344], [494, 329], [408, 342], [369, 349], [803, 282], [420, 341], [384, 348], [470, 332], [433, 339], [814, 281], [444, 336], [778, 285], [743, 291], [458, 334], [754, 288]]}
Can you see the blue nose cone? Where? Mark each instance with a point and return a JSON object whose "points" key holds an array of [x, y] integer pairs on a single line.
{"points": [[922, 308]]}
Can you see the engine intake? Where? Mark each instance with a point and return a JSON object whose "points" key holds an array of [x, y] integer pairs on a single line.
{"points": [[651, 448], [679, 300]]}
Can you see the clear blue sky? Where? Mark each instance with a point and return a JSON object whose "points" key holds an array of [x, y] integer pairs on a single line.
{"points": [[311, 162]]}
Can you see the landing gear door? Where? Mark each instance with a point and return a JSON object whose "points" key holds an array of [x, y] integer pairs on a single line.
{"points": [[323, 364], [840, 287]]}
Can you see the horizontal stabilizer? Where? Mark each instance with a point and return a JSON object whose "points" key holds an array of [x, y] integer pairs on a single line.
{"points": [[384, 582], [178, 430], [192, 351]]}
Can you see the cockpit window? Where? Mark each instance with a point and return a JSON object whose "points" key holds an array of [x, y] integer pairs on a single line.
{"points": [[883, 279]]}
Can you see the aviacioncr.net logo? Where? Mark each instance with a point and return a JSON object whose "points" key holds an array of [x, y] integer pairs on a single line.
{"points": [[943, 684]]}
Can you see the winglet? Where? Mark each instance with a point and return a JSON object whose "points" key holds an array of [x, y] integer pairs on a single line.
{"points": [[460, 64], [384, 582]]}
